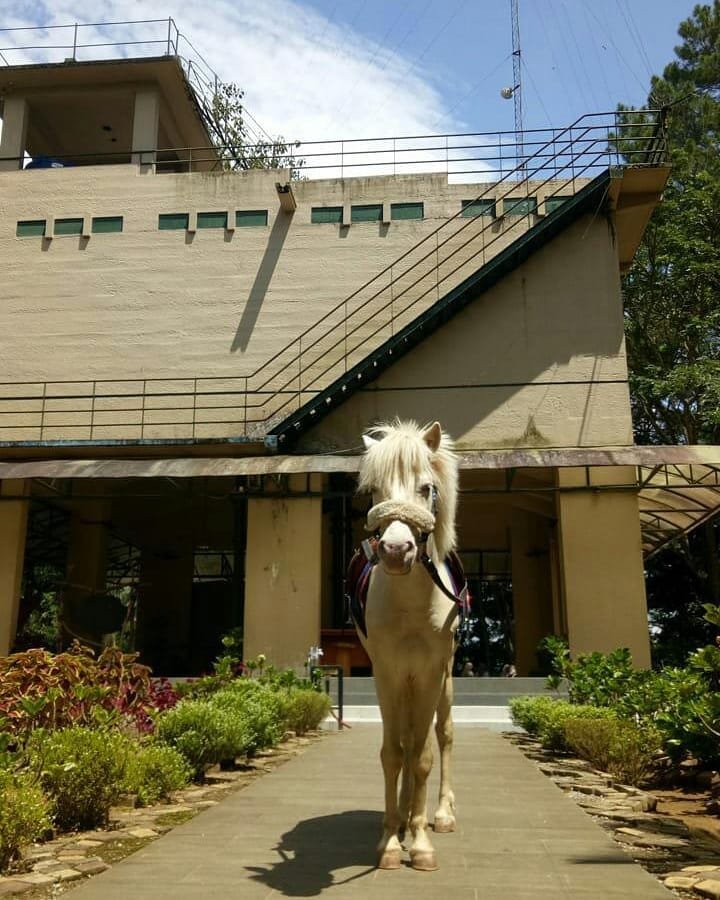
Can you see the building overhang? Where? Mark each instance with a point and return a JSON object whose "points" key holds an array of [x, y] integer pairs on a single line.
{"points": [[634, 193], [678, 487], [97, 97]]}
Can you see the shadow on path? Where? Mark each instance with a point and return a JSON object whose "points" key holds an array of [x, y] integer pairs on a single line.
{"points": [[315, 848]]}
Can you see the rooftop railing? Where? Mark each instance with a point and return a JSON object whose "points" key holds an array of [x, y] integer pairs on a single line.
{"points": [[95, 41], [249, 406]]}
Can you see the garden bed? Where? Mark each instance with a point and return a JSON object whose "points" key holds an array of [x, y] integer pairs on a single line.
{"points": [[667, 831], [55, 867]]}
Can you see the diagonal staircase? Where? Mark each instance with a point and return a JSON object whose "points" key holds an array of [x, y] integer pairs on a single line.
{"points": [[370, 328]]}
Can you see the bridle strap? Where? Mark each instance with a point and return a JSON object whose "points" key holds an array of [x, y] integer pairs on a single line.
{"points": [[435, 575]]}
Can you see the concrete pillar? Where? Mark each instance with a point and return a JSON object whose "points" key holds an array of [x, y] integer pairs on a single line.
{"points": [[164, 607], [86, 561], [531, 586], [146, 116], [13, 528], [283, 579], [602, 563], [14, 133]]}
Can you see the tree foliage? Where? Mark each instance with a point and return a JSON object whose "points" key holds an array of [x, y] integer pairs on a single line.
{"points": [[237, 149], [672, 315]]}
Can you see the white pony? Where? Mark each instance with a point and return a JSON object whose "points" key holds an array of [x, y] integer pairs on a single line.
{"points": [[410, 620]]}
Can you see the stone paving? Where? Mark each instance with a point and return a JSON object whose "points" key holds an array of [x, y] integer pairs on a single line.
{"points": [[310, 829], [687, 861]]}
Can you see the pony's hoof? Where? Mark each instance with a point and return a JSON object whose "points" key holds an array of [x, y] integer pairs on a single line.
{"points": [[423, 860], [390, 859], [443, 825]]}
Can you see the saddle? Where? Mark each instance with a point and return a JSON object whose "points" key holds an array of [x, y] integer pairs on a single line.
{"points": [[358, 579]]}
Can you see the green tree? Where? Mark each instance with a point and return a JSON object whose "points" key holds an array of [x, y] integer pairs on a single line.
{"points": [[237, 151], [672, 310]]}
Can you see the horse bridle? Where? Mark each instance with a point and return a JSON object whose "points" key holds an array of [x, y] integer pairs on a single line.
{"points": [[424, 533]]}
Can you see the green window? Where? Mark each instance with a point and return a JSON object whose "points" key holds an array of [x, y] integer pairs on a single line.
{"points": [[68, 226], [320, 215], [31, 228], [173, 221], [107, 224], [370, 212], [212, 220], [407, 211], [519, 206], [472, 208], [552, 203], [247, 218]]}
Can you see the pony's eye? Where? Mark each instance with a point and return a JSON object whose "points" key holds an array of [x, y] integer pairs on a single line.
{"points": [[425, 490]]}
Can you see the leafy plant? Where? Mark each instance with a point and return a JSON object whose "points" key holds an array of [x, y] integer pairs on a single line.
{"points": [[24, 814], [303, 710], [82, 772], [153, 771], [619, 747], [202, 733]]}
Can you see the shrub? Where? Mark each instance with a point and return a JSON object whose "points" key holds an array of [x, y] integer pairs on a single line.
{"points": [[618, 747], [153, 771], [528, 711], [258, 712], [23, 815], [545, 717], [303, 710], [82, 772], [202, 733]]}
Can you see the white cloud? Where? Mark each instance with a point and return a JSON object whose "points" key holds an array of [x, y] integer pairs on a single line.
{"points": [[303, 76]]}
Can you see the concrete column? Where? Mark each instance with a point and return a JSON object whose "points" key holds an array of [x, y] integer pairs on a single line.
{"points": [[531, 586], [14, 133], [13, 528], [283, 579], [86, 561], [602, 563], [146, 117], [164, 607]]}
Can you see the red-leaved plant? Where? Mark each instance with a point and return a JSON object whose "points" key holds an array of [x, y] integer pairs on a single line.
{"points": [[39, 689]]}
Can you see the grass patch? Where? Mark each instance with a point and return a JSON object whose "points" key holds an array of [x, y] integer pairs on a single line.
{"points": [[171, 819]]}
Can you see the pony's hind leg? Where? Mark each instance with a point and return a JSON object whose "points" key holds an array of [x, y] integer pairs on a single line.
{"points": [[390, 849], [445, 812]]}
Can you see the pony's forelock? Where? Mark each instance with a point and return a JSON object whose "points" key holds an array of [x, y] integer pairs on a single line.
{"points": [[401, 451]]}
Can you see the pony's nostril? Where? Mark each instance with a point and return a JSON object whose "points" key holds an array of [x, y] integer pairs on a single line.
{"points": [[395, 548]]}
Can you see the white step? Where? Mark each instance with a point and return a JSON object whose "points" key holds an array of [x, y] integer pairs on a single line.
{"points": [[491, 716]]}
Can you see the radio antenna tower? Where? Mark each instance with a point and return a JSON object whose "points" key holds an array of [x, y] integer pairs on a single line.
{"points": [[516, 90]]}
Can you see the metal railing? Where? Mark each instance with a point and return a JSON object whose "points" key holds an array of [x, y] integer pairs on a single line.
{"points": [[250, 405], [93, 41]]}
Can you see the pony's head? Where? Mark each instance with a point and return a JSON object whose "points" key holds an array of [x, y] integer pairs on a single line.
{"points": [[411, 472]]}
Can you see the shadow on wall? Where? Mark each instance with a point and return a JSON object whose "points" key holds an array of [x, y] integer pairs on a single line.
{"points": [[265, 272]]}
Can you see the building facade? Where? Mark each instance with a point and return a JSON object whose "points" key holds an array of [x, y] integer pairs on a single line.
{"points": [[191, 352]]}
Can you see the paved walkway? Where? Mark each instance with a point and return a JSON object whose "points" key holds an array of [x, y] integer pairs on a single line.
{"points": [[310, 828]]}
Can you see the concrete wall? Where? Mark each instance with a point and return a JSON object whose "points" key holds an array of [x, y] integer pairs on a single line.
{"points": [[538, 361], [185, 305]]}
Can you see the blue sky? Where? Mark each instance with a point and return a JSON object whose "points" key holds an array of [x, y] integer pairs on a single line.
{"points": [[316, 69]]}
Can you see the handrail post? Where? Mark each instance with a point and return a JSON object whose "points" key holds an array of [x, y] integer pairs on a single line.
{"points": [[168, 35], [194, 406], [75, 29], [92, 408]]}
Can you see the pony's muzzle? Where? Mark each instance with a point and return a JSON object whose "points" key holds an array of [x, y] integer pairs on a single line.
{"points": [[397, 549]]}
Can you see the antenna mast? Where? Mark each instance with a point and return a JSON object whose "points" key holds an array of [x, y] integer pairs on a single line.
{"points": [[517, 77]]}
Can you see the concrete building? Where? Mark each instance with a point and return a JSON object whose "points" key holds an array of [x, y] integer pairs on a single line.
{"points": [[191, 351]]}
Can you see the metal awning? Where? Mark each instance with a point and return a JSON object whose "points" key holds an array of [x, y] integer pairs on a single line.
{"points": [[678, 486]]}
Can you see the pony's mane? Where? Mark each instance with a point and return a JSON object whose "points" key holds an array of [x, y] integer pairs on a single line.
{"points": [[400, 454]]}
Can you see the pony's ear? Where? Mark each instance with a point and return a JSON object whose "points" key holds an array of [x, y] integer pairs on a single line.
{"points": [[432, 436], [369, 441]]}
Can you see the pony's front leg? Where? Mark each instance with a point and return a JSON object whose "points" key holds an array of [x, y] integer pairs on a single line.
{"points": [[390, 849], [422, 853], [445, 813]]}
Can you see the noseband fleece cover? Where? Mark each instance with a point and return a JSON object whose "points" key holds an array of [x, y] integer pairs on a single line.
{"points": [[396, 511]]}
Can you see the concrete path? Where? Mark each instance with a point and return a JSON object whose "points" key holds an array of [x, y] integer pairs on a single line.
{"points": [[310, 828]]}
